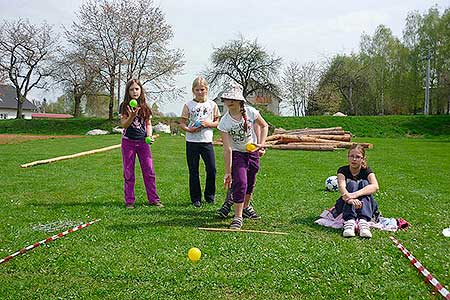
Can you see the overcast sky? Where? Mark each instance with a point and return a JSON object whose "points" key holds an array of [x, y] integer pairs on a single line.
{"points": [[296, 30]]}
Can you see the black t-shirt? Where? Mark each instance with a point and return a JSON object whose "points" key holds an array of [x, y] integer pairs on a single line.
{"points": [[137, 129], [363, 173]]}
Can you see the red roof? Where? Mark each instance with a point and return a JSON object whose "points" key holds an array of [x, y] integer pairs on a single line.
{"points": [[51, 116]]}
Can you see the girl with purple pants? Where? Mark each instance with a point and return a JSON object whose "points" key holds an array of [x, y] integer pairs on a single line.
{"points": [[137, 126], [241, 167]]}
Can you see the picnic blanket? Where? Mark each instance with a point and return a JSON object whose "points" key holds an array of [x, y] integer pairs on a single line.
{"points": [[329, 218]]}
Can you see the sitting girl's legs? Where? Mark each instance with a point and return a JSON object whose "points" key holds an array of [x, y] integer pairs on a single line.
{"points": [[366, 211]]}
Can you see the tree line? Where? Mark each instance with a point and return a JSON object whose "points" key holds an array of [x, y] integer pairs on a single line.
{"points": [[104, 48]]}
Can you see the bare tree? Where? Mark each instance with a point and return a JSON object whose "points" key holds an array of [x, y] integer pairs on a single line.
{"points": [[146, 53], [76, 75], [246, 63], [139, 44], [26, 52], [99, 31], [298, 83]]}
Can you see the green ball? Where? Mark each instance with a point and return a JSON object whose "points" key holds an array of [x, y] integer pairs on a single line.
{"points": [[149, 140], [133, 103]]}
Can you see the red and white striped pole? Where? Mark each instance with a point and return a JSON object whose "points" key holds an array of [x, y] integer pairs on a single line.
{"points": [[430, 278], [49, 239]]}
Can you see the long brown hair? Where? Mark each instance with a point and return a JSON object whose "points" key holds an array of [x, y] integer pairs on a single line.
{"points": [[145, 112], [244, 116], [361, 150]]}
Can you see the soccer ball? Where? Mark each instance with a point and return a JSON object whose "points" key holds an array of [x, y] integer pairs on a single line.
{"points": [[331, 184]]}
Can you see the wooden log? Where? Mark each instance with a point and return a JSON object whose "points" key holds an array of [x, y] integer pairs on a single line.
{"points": [[336, 144], [288, 138], [273, 137], [344, 138], [309, 130], [241, 230], [46, 161], [317, 147]]}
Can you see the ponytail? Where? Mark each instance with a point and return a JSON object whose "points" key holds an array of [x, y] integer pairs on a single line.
{"points": [[244, 116]]}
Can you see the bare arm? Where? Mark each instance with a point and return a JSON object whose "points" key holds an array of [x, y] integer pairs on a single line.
{"points": [[127, 119], [262, 131], [149, 129], [227, 156], [212, 124], [352, 198], [370, 189]]}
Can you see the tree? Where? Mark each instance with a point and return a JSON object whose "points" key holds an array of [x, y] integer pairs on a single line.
{"points": [[63, 105], [139, 43], [75, 75], [380, 54], [298, 84], [96, 105], [26, 52], [346, 75], [246, 63]]}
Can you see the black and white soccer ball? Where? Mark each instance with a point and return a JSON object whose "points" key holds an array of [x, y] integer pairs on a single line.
{"points": [[331, 184]]}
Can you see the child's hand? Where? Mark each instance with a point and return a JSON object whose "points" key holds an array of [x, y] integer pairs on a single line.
{"points": [[132, 112], [261, 151], [206, 124], [227, 181], [194, 129], [356, 203]]}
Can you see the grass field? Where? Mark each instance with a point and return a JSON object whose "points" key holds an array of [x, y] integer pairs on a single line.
{"points": [[142, 253]]}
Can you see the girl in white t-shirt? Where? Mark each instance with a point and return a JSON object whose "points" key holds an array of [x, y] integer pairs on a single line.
{"points": [[237, 127], [198, 119]]}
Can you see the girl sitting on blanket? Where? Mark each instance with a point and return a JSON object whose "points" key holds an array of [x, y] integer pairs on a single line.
{"points": [[357, 184]]}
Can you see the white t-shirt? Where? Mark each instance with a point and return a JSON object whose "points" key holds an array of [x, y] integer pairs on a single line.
{"points": [[195, 111], [235, 128]]}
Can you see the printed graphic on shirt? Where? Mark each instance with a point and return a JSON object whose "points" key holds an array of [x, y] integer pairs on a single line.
{"points": [[238, 134]]}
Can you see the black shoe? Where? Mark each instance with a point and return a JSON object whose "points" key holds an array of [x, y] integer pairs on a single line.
{"points": [[225, 209], [250, 213], [197, 204], [236, 223]]}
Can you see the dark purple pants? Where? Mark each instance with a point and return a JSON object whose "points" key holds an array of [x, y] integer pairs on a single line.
{"points": [[129, 150], [244, 168]]}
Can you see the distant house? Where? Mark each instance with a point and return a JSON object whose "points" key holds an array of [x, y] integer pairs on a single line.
{"points": [[264, 98], [8, 104]]}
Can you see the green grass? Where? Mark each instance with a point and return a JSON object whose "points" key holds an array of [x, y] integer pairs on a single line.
{"points": [[142, 253], [373, 126], [360, 126]]}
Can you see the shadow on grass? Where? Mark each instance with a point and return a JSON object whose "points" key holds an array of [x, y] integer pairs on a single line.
{"points": [[309, 221], [112, 204]]}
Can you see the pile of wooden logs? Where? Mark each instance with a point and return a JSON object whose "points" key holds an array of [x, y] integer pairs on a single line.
{"points": [[314, 139]]}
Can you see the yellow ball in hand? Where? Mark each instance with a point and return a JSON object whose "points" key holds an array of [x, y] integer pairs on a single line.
{"points": [[194, 254], [250, 147]]}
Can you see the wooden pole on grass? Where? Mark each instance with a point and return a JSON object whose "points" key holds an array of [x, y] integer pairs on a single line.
{"points": [[241, 230], [50, 160]]}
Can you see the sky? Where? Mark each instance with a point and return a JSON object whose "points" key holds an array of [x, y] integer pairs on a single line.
{"points": [[295, 30]]}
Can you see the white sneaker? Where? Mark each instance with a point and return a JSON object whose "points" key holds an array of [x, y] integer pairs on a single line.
{"points": [[364, 229], [349, 228]]}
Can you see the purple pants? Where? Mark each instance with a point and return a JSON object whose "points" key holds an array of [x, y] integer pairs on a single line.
{"points": [[244, 168], [129, 150]]}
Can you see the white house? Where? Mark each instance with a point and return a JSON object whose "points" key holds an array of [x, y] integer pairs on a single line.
{"points": [[260, 98], [8, 104]]}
